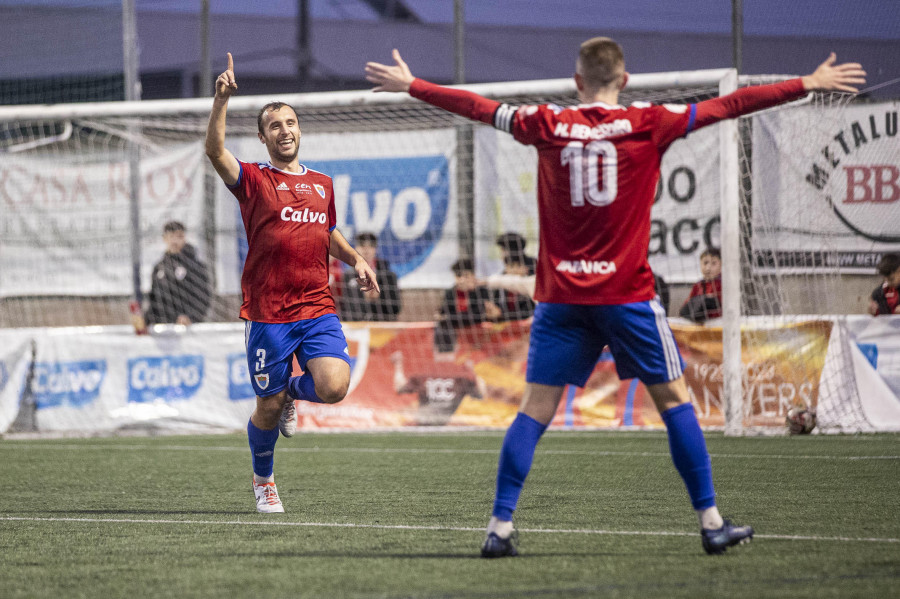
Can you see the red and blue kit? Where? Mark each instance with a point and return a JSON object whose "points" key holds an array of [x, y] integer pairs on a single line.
{"points": [[288, 218], [598, 166]]}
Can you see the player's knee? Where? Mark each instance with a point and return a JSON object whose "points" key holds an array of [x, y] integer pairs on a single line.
{"points": [[332, 391]]}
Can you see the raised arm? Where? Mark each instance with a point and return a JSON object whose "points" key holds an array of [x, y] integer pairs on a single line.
{"points": [[398, 78], [827, 77], [223, 161], [340, 249]]}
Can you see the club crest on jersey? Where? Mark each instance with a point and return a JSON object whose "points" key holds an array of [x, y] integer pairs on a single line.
{"points": [[262, 380], [320, 189], [282, 187]]}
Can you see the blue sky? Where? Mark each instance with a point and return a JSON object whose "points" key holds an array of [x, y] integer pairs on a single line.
{"points": [[860, 19]]}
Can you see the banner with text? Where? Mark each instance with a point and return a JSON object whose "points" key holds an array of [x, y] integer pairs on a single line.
{"points": [[66, 229], [399, 186], [826, 187], [105, 380]]}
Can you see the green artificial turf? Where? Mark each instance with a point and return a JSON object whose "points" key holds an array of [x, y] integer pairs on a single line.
{"points": [[402, 515]]}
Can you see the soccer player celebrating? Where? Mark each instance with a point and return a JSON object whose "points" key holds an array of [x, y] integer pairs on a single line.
{"points": [[598, 165], [289, 216]]}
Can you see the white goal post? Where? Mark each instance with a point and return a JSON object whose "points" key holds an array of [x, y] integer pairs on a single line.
{"points": [[706, 196]]}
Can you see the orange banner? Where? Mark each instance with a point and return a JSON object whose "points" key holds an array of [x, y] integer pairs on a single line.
{"points": [[398, 380]]}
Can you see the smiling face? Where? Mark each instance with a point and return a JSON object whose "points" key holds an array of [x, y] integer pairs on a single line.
{"points": [[280, 132]]}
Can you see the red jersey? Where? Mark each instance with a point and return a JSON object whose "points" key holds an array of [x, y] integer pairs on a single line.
{"points": [[288, 218], [597, 171], [711, 289]]}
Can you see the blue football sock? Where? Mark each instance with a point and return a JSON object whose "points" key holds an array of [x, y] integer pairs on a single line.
{"points": [[262, 449], [516, 456], [303, 387], [688, 449]]}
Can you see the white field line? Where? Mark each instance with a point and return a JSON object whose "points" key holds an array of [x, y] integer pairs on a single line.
{"points": [[558, 531], [493, 452]]}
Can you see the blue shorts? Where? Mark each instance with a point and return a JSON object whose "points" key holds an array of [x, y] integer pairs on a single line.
{"points": [[566, 342], [270, 347]]}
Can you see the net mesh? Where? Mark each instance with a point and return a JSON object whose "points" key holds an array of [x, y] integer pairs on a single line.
{"points": [[86, 200]]}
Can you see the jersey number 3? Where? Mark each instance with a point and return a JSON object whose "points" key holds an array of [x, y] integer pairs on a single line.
{"points": [[585, 164]]}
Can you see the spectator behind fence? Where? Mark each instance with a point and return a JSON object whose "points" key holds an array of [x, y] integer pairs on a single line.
{"points": [[886, 298], [705, 301], [467, 303], [514, 306], [357, 304], [180, 291]]}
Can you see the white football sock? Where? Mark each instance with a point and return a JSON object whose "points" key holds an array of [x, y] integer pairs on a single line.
{"points": [[710, 518], [502, 528], [263, 479]]}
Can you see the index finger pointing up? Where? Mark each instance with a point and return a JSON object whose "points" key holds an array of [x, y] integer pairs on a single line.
{"points": [[230, 62]]}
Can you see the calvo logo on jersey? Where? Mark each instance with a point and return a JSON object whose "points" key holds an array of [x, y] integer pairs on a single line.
{"points": [[75, 384], [403, 201], [239, 386], [169, 378]]}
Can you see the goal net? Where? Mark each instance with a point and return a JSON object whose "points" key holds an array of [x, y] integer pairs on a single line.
{"points": [[90, 192]]}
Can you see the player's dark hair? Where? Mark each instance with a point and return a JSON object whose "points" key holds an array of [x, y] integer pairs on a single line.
{"points": [[888, 264], [601, 62], [268, 107], [173, 226], [712, 253], [366, 239]]}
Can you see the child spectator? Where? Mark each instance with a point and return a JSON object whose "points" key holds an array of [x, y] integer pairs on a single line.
{"points": [[705, 301], [886, 298]]}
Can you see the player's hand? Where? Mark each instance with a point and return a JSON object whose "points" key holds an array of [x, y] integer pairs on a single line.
{"points": [[225, 84], [492, 310], [835, 77], [365, 277], [387, 78]]}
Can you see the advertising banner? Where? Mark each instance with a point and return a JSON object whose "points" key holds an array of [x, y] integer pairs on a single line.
{"points": [[398, 186], [65, 229], [832, 200], [685, 217]]}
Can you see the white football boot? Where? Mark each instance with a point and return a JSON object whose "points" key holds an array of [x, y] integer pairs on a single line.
{"points": [[267, 500], [287, 423]]}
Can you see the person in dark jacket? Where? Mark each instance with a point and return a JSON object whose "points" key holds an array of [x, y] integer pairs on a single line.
{"points": [[370, 305], [886, 297], [180, 289], [705, 300], [466, 304]]}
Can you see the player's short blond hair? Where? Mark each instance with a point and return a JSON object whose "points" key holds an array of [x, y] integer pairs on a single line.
{"points": [[601, 62]]}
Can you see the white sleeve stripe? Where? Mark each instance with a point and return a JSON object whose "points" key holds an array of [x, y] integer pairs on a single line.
{"points": [[503, 117]]}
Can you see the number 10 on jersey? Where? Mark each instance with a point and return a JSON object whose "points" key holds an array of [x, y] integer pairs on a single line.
{"points": [[585, 164]]}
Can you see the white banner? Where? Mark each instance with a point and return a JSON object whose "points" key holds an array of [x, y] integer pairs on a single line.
{"points": [[685, 217], [107, 379], [15, 358], [400, 186], [826, 187], [65, 225]]}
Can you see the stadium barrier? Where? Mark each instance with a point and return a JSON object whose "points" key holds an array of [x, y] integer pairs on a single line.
{"points": [[103, 380]]}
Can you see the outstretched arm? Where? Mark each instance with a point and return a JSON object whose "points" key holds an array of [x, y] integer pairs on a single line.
{"points": [[222, 160], [341, 250], [827, 77], [398, 78]]}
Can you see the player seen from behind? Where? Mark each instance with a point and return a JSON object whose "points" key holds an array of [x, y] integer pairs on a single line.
{"points": [[289, 216], [598, 165]]}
